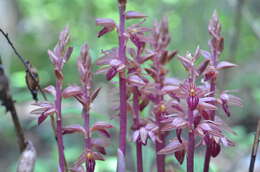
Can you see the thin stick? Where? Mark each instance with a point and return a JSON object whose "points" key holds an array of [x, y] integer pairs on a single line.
{"points": [[23, 60], [8, 102], [255, 147], [25, 63], [18, 128]]}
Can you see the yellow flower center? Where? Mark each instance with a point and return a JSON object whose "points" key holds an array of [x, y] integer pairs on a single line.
{"points": [[162, 108], [89, 155], [192, 92]]}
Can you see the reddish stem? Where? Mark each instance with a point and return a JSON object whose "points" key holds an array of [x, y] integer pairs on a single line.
{"points": [[212, 116], [139, 156], [160, 158], [122, 81], [191, 144], [86, 118], [86, 127], [59, 126], [207, 159]]}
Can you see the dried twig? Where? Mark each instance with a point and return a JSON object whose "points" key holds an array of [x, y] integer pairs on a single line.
{"points": [[28, 153], [255, 147], [30, 73], [8, 102], [25, 63]]}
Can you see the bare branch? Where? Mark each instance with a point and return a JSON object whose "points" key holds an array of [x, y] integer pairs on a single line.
{"points": [[25, 63], [255, 147]]}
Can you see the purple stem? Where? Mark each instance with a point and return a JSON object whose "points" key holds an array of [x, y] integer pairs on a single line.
{"points": [[139, 156], [59, 126], [122, 81], [86, 118], [191, 144], [207, 159], [160, 158], [212, 116], [86, 127]]}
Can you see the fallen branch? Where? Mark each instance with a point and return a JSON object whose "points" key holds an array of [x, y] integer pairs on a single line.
{"points": [[255, 147]]}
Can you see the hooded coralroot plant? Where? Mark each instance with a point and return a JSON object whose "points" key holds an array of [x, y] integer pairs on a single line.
{"points": [[94, 148], [198, 102], [190, 105], [187, 107]]}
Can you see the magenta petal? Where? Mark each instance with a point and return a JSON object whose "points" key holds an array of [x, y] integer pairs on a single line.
{"points": [[54, 59], [134, 15], [50, 89], [136, 80], [104, 31], [225, 65], [180, 156], [68, 53], [205, 54], [178, 134], [101, 125], [73, 129], [105, 22], [42, 118], [111, 73], [226, 108], [215, 149], [71, 91]]}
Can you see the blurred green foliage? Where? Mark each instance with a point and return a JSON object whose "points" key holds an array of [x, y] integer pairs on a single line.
{"points": [[37, 31]]}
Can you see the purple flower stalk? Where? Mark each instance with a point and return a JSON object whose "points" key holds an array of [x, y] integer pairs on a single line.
{"points": [[192, 102], [136, 120], [122, 81], [59, 56], [116, 59], [84, 65], [216, 45]]}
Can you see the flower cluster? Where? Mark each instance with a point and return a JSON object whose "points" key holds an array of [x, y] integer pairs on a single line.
{"points": [[189, 106], [94, 147]]}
